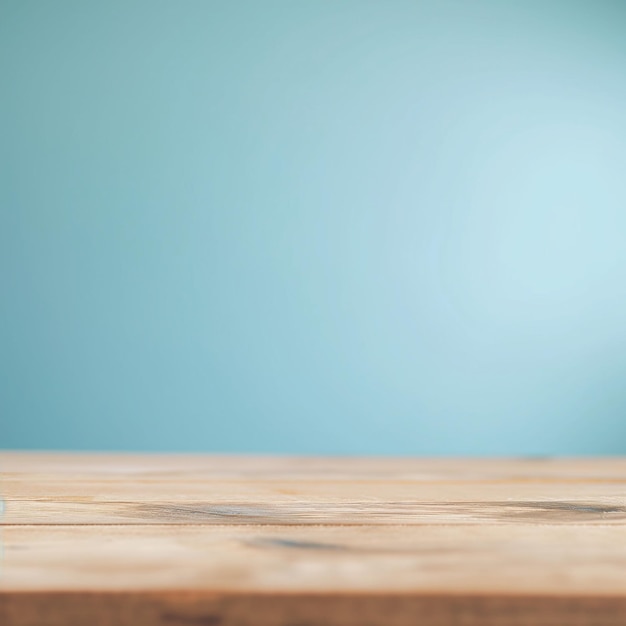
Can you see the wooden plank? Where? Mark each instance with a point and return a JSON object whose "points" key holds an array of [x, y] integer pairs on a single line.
{"points": [[174, 540], [525, 558], [190, 466], [234, 505], [100, 489]]}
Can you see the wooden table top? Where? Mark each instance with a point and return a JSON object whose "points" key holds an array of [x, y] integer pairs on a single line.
{"points": [[173, 540]]}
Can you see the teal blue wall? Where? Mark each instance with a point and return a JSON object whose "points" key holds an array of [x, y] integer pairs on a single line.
{"points": [[313, 226]]}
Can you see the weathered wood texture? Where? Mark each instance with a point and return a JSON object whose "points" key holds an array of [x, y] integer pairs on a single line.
{"points": [[120, 540]]}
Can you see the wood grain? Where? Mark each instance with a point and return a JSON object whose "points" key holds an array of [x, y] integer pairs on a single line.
{"points": [[273, 541]]}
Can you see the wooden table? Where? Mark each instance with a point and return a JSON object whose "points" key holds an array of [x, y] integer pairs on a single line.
{"points": [[120, 540]]}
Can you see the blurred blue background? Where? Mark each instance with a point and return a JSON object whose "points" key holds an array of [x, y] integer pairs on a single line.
{"points": [[324, 226]]}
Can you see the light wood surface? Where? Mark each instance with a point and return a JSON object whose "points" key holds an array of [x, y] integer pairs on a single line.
{"points": [[153, 540]]}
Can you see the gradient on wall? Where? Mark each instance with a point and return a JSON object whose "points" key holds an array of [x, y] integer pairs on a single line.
{"points": [[333, 227]]}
